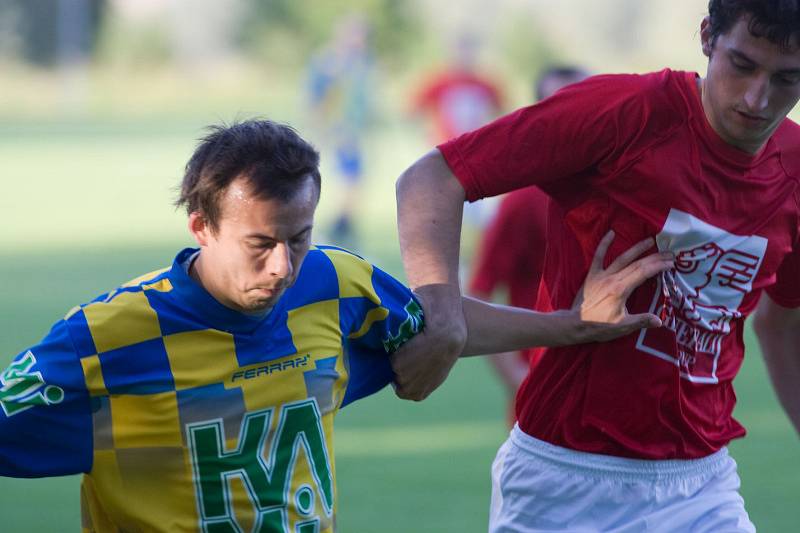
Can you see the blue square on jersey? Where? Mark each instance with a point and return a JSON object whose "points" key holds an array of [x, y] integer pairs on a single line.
{"points": [[271, 340], [80, 334], [141, 368], [316, 281]]}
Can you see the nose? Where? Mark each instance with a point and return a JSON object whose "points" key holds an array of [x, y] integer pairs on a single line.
{"points": [[279, 261], [756, 97]]}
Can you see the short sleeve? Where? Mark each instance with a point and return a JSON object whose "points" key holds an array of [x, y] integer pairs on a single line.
{"points": [[378, 314], [786, 290], [45, 415], [578, 130]]}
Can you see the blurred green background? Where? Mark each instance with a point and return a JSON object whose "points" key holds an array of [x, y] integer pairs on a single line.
{"points": [[101, 103]]}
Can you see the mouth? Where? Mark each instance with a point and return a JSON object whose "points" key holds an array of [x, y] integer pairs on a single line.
{"points": [[751, 120], [268, 292]]}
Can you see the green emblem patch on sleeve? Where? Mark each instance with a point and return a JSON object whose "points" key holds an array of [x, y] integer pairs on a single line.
{"points": [[22, 389], [408, 328]]}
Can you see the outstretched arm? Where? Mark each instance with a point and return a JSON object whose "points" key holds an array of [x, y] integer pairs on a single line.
{"points": [[778, 331], [598, 314]]}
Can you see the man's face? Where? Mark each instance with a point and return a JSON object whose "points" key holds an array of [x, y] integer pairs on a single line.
{"points": [[257, 251], [750, 86]]}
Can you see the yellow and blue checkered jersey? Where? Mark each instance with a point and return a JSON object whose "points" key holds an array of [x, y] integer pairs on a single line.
{"points": [[185, 415]]}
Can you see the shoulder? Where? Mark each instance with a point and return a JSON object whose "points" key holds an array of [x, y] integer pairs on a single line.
{"points": [[787, 141], [330, 272], [621, 107], [121, 317], [334, 263], [658, 94]]}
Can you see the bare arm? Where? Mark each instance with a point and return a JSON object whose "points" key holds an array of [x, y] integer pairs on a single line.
{"points": [[778, 331], [429, 207], [598, 313], [509, 366]]}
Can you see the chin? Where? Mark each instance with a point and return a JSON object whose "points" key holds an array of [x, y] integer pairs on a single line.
{"points": [[256, 307]]}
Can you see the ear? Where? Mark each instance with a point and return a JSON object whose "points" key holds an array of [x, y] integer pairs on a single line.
{"points": [[199, 228], [706, 40]]}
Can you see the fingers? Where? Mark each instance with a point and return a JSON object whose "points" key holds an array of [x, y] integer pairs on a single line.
{"points": [[600, 253], [643, 269], [632, 324], [641, 321], [419, 368], [627, 257]]}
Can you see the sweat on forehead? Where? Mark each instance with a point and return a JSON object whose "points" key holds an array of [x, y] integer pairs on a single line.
{"points": [[274, 158]]}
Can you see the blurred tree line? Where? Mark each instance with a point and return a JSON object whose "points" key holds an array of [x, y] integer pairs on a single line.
{"points": [[273, 24], [49, 32], [46, 32]]}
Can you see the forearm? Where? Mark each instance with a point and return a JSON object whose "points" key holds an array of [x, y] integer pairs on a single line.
{"points": [[493, 328], [780, 347], [429, 204], [429, 207]]}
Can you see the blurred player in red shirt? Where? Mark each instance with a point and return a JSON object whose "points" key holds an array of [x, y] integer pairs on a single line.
{"points": [[511, 251], [458, 98]]}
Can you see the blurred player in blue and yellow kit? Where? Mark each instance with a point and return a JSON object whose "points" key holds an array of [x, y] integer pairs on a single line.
{"points": [[201, 397]]}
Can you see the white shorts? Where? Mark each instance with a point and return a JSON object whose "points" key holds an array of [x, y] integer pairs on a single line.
{"points": [[540, 487]]}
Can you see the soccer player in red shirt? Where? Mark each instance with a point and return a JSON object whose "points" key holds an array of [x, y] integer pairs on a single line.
{"points": [[631, 434], [510, 251]]}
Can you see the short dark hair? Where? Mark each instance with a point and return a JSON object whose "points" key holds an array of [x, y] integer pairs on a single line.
{"points": [[776, 20], [272, 157]]}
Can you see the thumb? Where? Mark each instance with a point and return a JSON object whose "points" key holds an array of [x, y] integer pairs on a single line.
{"points": [[645, 320]]}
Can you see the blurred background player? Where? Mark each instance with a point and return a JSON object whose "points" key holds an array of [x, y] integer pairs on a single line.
{"points": [[511, 251], [339, 83], [459, 98]]}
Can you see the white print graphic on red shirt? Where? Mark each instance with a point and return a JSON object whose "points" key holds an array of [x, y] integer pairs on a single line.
{"points": [[701, 296]]}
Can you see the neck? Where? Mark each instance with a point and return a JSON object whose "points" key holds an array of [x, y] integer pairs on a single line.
{"points": [[750, 148]]}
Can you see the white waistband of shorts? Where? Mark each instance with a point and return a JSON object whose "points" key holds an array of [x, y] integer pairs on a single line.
{"points": [[609, 465]]}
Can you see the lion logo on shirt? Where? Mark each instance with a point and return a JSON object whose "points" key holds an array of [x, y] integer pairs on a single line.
{"points": [[700, 297]]}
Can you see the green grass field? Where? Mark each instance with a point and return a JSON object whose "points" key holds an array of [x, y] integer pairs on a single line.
{"points": [[84, 209]]}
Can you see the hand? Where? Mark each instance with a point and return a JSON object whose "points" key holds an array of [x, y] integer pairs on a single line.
{"points": [[423, 363], [600, 304]]}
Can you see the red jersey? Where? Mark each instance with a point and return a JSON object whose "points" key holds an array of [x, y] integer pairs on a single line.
{"points": [[636, 154], [459, 101], [511, 251]]}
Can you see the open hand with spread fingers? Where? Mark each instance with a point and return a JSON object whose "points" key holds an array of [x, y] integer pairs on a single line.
{"points": [[600, 303]]}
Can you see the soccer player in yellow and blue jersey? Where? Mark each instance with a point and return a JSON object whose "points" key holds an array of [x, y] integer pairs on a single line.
{"points": [[201, 397]]}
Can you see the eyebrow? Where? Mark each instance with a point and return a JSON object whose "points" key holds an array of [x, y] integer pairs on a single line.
{"points": [[263, 237], [744, 57]]}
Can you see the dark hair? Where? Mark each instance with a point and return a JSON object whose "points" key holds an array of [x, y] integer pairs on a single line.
{"points": [[557, 71], [776, 20], [272, 157]]}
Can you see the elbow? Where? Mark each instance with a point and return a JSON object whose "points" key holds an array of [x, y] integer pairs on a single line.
{"points": [[409, 180], [403, 183], [430, 174]]}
